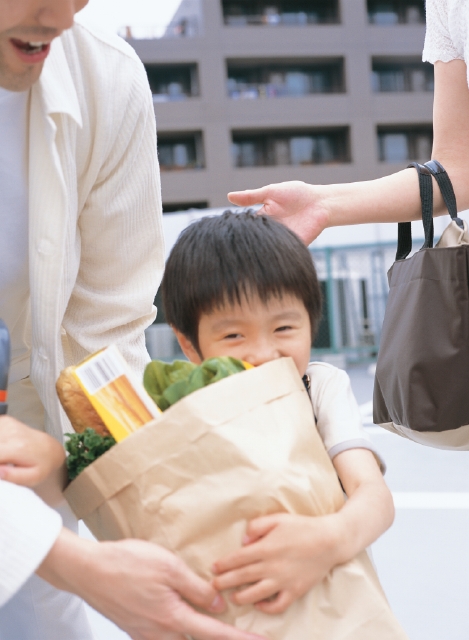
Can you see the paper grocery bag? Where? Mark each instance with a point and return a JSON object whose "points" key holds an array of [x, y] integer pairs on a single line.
{"points": [[190, 481]]}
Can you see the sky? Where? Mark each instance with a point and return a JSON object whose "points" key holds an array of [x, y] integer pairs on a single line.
{"points": [[112, 15]]}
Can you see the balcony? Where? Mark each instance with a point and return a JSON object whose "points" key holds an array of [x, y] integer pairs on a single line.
{"points": [[392, 12], [274, 80], [297, 148], [173, 82], [395, 76], [176, 207], [178, 151], [272, 13], [405, 144]]}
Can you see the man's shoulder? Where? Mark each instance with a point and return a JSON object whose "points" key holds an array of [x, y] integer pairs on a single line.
{"points": [[111, 44]]}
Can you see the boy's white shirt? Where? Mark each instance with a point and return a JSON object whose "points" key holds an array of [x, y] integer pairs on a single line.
{"points": [[95, 240], [336, 411]]}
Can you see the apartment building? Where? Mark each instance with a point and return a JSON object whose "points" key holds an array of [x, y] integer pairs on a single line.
{"points": [[249, 92]]}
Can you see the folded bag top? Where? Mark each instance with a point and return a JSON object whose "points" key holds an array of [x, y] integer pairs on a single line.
{"points": [[422, 374]]}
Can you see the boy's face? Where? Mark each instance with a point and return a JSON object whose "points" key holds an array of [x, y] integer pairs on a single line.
{"points": [[254, 331]]}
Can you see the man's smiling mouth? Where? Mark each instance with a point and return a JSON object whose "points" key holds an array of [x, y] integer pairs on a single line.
{"points": [[30, 48]]}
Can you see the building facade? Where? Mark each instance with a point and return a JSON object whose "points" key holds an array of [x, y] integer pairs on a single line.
{"points": [[250, 92]]}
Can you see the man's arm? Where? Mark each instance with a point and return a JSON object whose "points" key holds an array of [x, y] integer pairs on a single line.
{"points": [[32, 459], [285, 555], [309, 209]]}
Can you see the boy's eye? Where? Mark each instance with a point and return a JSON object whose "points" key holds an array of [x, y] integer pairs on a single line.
{"points": [[283, 328], [232, 336]]}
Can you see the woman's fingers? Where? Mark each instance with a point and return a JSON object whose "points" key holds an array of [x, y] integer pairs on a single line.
{"points": [[248, 198]]}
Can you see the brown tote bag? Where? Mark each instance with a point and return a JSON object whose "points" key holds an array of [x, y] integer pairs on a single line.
{"points": [[422, 374]]}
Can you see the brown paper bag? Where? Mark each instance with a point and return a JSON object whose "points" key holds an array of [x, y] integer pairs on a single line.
{"points": [[244, 447]]}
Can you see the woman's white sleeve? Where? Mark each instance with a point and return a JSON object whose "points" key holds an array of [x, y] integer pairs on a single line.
{"points": [[28, 529], [446, 30]]}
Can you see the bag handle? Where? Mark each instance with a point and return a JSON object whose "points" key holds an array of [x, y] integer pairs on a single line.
{"points": [[425, 173]]}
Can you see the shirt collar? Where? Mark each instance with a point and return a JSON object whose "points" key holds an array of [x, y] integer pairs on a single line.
{"points": [[56, 85]]}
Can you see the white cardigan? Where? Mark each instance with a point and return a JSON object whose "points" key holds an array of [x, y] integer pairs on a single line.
{"points": [[96, 241], [28, 529]]}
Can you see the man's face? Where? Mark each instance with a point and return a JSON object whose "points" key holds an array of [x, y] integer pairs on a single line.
{"points": [[27, 27]]}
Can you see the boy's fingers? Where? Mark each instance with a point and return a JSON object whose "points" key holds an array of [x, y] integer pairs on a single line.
{"points": [[238, 577], [277, 605], [194, 589], [255, 592], [260, 527], [247, 555], [248, 197]]}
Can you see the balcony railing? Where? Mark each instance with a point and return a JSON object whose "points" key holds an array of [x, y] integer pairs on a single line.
{"points": [[173, 82], [404, 145], [391, 12], [240, 13], [293, 148], [180, 151], [274, 82], [396, 77], [183, 28]]}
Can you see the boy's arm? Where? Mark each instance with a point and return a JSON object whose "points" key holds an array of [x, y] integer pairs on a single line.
{"points": [[285, 555]]}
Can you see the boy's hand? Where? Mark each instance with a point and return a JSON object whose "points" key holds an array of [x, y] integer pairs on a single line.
{"points": [[283, 557], [27, 457]]}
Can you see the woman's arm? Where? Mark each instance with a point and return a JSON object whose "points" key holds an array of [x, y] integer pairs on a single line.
{"points": [[309, 209]]}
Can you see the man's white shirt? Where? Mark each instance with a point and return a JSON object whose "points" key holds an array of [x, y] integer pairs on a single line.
{"points": [[14, 262]]}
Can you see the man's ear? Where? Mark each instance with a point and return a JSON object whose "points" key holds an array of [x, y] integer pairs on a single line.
{"points": [[187, 347]]}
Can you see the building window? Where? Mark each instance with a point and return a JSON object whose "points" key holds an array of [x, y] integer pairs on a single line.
{"points": [[399, 144], [275, 148], [279, 12], [273, 80], [389, 12], [173, 81], [393, 75], [178, 151], [176, 207]]}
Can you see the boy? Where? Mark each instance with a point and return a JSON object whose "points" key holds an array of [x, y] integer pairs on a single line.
{"points": [[243, 285]]}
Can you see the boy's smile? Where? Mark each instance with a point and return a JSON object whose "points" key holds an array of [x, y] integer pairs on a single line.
{"points": [[254, 331]]}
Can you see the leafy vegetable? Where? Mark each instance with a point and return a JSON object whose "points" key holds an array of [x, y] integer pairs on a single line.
{"points": [[167, 383], [84, 448]]}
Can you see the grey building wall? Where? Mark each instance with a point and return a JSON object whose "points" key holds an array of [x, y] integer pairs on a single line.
{"points": [[216, 115]]}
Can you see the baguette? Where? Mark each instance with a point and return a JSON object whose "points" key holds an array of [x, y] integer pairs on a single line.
{"points": [[76, 405]]}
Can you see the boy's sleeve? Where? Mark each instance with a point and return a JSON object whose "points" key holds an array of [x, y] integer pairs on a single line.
{"points": [[28, 530], [336, 411]]}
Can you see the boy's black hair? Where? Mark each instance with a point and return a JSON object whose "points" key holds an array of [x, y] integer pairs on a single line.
{"points": [[223, 259]]}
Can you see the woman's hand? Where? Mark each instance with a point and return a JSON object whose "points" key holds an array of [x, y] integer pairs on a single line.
{"points": [[296, 204], [284, 556]]}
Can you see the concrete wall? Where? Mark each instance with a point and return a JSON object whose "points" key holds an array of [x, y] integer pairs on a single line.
{"points": [[216, 115]]}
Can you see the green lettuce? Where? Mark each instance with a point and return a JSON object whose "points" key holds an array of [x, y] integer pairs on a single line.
{"points": [[167, 383]]}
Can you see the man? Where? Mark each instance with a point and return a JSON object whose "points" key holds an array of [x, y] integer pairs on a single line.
{"points": [[81, 255]]}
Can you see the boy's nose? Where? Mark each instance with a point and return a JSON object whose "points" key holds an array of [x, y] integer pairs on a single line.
{"points": [[262, 355]]}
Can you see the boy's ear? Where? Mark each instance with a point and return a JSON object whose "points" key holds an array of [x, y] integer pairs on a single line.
{"points": [[187, 347]]}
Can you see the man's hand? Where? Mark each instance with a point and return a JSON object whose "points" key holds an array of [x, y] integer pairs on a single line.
{"points": [[27, 457], [284, 556], [140, 586], [296, 204]]}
